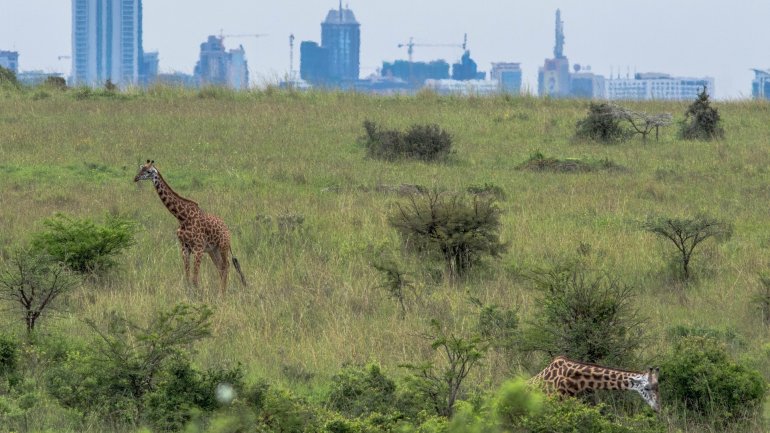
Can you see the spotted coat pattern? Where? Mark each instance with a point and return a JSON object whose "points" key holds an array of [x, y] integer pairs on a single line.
{"points": [[198, 231], [568, 377]]}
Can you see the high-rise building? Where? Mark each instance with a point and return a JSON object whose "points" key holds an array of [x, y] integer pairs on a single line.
{"points": [[10, 60], [760, 85], [218, 67], [107, 42], [553, 77], [466, 69], [335, 61], [654, 85], [416, 72], [341, 36], [508, 77]]}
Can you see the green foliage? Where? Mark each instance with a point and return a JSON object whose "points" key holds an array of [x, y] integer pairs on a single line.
{"points": [[443, 386], [460, 230], [698, 375], [84, 246], [9, 360], [570, 415], [539, 162], [602, 124], [497, 326], [361, 391], [54, 82], [422, 142], [8, 78], [113, 377], [587, 317], [702, 121], [687, 233], [34, 281], [183, 392]]}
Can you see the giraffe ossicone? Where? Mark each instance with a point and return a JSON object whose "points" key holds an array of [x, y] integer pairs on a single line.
{"points": [[198, 231], [568, 377]]}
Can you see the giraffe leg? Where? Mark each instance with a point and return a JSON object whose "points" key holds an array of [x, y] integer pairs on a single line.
{"points": [[198, 255], [186, 260]]}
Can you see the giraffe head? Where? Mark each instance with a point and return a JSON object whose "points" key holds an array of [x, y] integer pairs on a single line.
{"points": [[647, 387], [146, 171]]}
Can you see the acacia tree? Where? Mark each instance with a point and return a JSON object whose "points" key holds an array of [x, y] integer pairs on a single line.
{"points": [[34, 281], [687, 233]]}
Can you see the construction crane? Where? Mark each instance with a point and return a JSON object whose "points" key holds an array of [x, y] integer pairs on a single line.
{"points": [[411, 44]]}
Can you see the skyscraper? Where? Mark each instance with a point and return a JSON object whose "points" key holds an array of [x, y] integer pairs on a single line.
{"points": [[218, 67], [107, 42], [553, 77], [341, 36]]}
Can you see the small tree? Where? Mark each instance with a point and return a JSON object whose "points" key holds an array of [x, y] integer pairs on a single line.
{"points": [[687, 233], [8, 77], [394, 281], [460, 230], [34, 282], [585, 317], [702, 121], [641, 122], [602, 124], [461, 354]]}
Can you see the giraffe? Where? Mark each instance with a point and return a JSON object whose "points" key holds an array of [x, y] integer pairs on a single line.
{"points": [[568, 377], [198, 231]]}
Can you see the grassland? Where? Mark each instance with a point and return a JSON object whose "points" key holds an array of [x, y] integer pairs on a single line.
{"points": [[314, 303]]}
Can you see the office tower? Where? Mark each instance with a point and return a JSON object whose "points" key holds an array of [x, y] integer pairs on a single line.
{"points": [[341, 37], [107, 42], [508, 75], [218, 67], [553, 77], [10, 60]]}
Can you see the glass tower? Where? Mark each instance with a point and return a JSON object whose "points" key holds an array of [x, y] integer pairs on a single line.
{"points": [[107, 42], [341, 37]]}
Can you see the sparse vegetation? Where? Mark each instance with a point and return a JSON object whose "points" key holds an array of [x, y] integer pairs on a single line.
{"points": [[539, 162], [316, 308]]}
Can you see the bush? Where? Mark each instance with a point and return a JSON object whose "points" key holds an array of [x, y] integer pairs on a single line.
{"points": [[539, 162], [459, 230], [422, 142], [698, 375], [83, 245], [113, 377], [702, 121], [602, 124], [8, 78], [362, 391], [585, 317], [54, 82], [9, 360]]}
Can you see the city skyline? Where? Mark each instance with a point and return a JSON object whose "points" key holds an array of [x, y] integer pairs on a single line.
{"points": [[612, 37]]}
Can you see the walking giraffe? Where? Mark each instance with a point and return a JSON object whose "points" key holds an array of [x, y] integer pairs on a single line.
{"points": [[198, 231], [568, 377]]}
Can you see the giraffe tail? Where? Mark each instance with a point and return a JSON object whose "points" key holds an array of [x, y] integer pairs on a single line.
{"points": [[237, 266]]}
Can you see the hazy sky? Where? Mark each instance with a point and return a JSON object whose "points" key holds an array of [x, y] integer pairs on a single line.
{"points": [[722, 39]]}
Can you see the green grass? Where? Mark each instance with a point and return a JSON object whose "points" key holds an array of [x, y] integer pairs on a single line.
{"points": [[313, 304]]}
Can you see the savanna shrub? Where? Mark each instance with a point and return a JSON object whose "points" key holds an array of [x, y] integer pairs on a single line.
{"points": [[361, 391], [9, 359], [586, 317], [698, 375], [602, 124], [83, 245], [8, 78], [182, 392], [459, 229], [423, 142], [54, 82], [702, 121]]}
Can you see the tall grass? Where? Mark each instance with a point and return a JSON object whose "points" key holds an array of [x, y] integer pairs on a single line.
{"points": [[313, 304]]}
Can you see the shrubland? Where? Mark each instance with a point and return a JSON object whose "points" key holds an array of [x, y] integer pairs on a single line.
{"points": [[347, 324]]}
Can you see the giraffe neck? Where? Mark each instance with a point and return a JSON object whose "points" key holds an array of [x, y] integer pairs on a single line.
{"points": [[182, 208]]}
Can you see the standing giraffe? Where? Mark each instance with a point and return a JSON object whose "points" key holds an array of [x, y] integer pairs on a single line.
{"points": [[568, 377], [198, 231]]}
